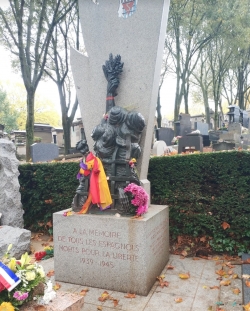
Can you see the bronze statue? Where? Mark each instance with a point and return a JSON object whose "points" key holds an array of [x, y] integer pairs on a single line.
{"points": [[116, 141]]}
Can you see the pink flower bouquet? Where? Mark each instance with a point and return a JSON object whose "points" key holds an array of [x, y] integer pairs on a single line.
{"points": [[139, 198]]}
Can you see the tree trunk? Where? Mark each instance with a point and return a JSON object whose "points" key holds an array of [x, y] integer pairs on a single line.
{"points": [[186, 91], [158, 109], [241, 87], [30, 122], [66, 132], [216, 116], [206, 104]]}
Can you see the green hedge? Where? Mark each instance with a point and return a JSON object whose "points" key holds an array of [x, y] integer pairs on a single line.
{"points": [[203, 191], [46, 188]]}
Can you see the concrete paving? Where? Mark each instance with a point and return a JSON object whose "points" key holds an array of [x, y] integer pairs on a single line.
{"points": [[200, 292]]}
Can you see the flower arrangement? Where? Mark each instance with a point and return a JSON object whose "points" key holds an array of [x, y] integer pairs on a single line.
{"points": [[46, 254], [29, 276], [132, 162], [138, 199]]}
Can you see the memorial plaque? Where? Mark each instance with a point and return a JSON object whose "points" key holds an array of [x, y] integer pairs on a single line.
{"points": [[115, 253]]}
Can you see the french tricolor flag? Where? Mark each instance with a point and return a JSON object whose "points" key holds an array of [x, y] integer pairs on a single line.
{"points": [[8, 278]]}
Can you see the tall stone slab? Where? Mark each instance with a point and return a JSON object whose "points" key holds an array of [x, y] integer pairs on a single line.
{"points": [[114, 253], [139, 39], [42, 152], [10, 197]]}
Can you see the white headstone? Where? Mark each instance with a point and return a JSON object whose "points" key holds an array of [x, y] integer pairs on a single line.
{"points": [[159, 148]]}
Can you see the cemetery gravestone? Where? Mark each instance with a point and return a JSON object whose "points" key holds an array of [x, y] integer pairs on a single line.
{"points": [[159, 148], [183, 125], [190, 142], [202, 127], [234, 128], [166, 134], [42, 152]]}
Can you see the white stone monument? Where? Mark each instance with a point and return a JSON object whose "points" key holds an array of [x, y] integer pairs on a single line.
{"points": [[105, 251]]}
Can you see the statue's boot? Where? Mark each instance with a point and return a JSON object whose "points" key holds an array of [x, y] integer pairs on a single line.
{"points": [[86, 205]]}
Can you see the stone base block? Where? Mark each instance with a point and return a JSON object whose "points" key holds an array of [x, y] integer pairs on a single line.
{"points": [[63, 302], [109, 252]]}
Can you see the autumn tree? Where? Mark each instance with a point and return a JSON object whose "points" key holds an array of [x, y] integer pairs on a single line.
{"points": [[66, 34], [223, 67], [44, 109], [192, 28], [26, 28]]}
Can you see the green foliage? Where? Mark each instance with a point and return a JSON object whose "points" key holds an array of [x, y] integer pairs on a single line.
{"points": [[8, 116], [203, 191], [45, 189]]}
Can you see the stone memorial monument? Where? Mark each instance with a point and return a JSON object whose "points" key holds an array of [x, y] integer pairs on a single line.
{"points": [[113, 251], [11, 211]]}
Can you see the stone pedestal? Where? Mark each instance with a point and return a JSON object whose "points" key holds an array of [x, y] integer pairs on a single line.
{"points": [[109, 252]]}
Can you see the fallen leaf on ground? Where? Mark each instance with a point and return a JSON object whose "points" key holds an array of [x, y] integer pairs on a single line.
{"points": [[246, 276], [247, 283], [32, 250], [235, 276], [99, 308], [225, 283], [225, 225], [184, 253], [115, 301], [137, 217], [50, 239], [184, 275], [169, 267], [84, 292], [161, 281], [164, 283], [50, 273], [104, 296], [230, 265], [196, 258], [40, 308], [230, 272], [247, 307], [220, 272], [214, 287], [178, 300], [57, 286], [236, 291], [246, 261], [130, 295]]}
